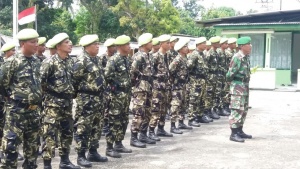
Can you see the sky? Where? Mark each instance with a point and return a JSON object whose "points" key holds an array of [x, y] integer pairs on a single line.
{"points": [[245, 5]]}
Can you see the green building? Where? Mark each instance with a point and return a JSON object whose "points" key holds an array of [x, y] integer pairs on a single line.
{"points": [[275, 45]]}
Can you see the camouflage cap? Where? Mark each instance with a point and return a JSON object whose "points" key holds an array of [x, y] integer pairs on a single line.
{"points": [[27, 33], [8, 46], [231, 40], [223, 40], [41, 40], [59, 38], [215, 39], [155, 41], [145, 38], [244, 40], [109, 42], [122, 40], [200, 40], [88, 39], [181, 43], [163, 38]]}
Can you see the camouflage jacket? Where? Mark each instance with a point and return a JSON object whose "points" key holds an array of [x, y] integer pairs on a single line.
{"points": [[141, 70], [212, 58], [172, 55], [103, 59], [229, 55], [222, 62], [88, 74], [178, 72], [21, 79], [1, 78], [56, 77], [41, 58], [117, 73], [197, 66], [160, 70], [239, 74]]}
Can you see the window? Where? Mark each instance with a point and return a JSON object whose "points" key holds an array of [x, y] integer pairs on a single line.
{"points": [[257, 55], [281, 44]]}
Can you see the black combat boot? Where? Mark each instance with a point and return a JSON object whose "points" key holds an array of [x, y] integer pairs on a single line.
{"points": [[135, 142], [152, 134], [174, 129], [242, 134], [94, 156], [194, 123], [220, 112], [181, 125], [47, 164], [161, 132], [203, 119], [212, 114], [226, 110], [145, 139], [235, 137], [82, 161], [206, 114], [119, 147], [65, 163], [111, 152]]}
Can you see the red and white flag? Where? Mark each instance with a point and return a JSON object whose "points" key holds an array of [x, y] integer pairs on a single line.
{"points": [[27, 16]]}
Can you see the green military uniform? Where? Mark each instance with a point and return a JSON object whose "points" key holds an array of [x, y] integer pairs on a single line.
{"points": [[239, 75], [2, 103]]}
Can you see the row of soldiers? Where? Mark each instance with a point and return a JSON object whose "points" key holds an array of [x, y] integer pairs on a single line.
{"points": [[39, 93]]}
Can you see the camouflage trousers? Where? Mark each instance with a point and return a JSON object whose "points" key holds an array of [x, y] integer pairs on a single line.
{"points": [[197, 97], [57, 120], [106, 102], [209, 92], [226, 97], [118, 116], [88, 122], [239, 109], [219, 92], [2, 120], [177, 104], [141, 111], [22, 126], [158, 108]]}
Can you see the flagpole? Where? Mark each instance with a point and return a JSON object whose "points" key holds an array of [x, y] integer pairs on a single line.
{"points": [[15, 20], [35, 18]]}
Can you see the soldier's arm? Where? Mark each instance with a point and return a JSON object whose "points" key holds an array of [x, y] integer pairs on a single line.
{"points": [[109, 73], [78, 70], [135, 66], [173, 66], [191, 62], [233, 68], [45, 73]]}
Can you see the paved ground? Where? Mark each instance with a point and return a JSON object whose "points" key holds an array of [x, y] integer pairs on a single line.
{"points": [[273, 121]]}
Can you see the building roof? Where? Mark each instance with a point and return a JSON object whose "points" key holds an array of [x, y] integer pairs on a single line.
{"points": [[278, 17]]}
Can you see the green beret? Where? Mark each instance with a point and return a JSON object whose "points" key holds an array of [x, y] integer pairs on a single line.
{"points": [[8, 46], [122, 40], [164, 38], [27, 33], [59, 38], [244, 40], [109, 42], [145, 38], [181, 43], [88, 39], [41, 40], [155, 41]]}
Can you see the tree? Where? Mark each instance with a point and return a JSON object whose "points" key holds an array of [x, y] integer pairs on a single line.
{"points": [[83, 22], [220, 12], [193, 8]]}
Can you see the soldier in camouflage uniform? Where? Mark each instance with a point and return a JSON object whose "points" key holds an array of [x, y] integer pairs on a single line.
{"points": [[141, 74], [197, 73], [179, 76], [22, 88], [156, 46], [239, 75], [221, 77], [41, 49], [117, 74], [111, 50], [159, 89], [51, 48], [56, 79], [212, 63], [230, 51], [208, 47], [89, 82]]}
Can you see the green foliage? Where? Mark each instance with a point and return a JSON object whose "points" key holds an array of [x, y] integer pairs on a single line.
{"points": [[220, 12], [193, 8], [83, 22]]}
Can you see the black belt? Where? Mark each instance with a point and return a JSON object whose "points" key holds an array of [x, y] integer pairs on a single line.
{"points": [[91, 93], [60, 95], [198, 76], [24, 105]]}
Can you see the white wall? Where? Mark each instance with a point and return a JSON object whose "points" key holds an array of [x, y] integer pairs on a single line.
{"points": [[263, 78]]}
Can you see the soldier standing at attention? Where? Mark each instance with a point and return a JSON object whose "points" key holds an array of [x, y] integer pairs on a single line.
{"points": [[88, 76], [159, 90], [239, 75], [110, 51], [141, 74], [179, 73], [208, 46], [173, 52], [22, 88], [117, 74], [155, 45], [197, 73], [9, 50], [51, 48], [56, 79], [41, 49]]}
